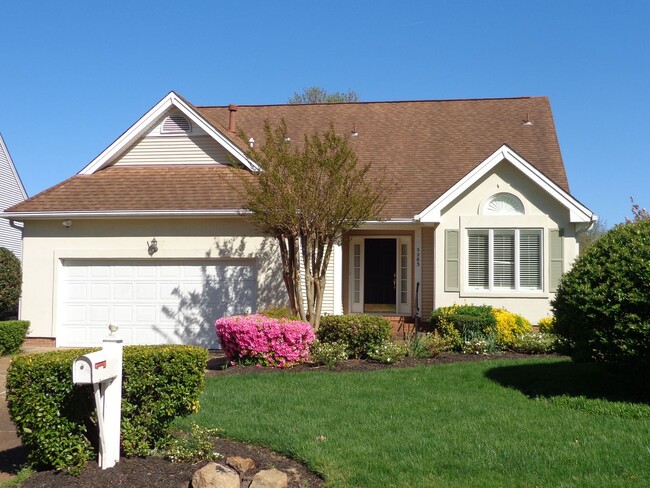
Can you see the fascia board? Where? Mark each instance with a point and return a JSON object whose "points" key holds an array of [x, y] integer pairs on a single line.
{"points": [[577, 211], [145, 122]]}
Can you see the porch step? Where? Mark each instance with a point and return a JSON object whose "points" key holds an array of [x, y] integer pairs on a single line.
{"points": [[402, 327]]}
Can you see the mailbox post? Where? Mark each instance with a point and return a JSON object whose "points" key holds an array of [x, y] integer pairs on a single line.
{"points": [[103, 369]]}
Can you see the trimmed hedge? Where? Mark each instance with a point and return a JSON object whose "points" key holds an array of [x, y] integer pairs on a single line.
{"points": [[12, 336], [55, 419], [362, 334], [11, 280], [602, 305]]}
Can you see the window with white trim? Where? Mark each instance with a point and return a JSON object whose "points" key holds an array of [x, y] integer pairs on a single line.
{"points": [[504, 260]]}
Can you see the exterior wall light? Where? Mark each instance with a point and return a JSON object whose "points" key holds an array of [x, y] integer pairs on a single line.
{"points": [[152, 247]]}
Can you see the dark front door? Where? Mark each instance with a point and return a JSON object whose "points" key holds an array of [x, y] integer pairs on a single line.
{"points": [[379, 275]]}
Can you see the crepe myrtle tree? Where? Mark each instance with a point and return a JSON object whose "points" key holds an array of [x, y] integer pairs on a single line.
{"points": [[308, 195]]}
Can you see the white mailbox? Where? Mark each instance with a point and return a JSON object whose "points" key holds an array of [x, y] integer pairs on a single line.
{"points": [[103, 370], [94, 368]]}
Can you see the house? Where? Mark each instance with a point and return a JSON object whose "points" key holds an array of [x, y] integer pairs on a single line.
{"points": [[149, 235], [12, 192]]}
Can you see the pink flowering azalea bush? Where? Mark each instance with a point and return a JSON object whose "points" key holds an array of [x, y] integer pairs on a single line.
{"points": [[264, 340]]}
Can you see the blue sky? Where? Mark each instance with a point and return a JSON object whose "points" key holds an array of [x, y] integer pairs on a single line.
{"points": [[76, 74]]}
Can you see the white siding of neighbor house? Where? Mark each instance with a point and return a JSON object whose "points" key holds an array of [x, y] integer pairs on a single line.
{"points": [[541, 211], [11, 193], [48, 245]]}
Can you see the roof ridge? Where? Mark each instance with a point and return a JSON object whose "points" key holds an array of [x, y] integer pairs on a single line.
{"points": [[447, 100]]}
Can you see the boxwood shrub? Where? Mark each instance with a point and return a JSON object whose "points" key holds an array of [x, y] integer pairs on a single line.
{"points": [[602, 305], [12, 336], [362, 334], [55, 419]]}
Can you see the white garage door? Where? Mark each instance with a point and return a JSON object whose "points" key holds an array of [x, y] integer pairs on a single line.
{"points": [[152, 302]]}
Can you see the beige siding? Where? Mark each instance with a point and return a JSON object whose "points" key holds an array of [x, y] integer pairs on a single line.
{"points": [[175, 150], [48, 244], [426, 287]]}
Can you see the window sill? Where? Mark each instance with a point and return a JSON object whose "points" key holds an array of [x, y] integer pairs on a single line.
{"points": [[504, 294]]}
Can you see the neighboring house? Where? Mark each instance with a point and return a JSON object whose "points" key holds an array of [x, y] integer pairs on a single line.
{"points": [[482, 214], [12, 192]]}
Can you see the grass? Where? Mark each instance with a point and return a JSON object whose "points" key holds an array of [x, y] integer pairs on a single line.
{"points": [[532, 423]]}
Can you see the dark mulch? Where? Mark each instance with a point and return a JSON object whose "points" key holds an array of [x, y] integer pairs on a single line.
{"points": [[156, 472]]}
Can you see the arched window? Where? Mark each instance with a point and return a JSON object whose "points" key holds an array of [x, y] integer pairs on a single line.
{"points": [[504, 204]]}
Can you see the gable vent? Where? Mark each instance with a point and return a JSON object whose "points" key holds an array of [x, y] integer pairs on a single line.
{"points": [[176, 124]]}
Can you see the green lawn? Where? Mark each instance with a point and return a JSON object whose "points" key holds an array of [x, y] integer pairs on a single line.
{"points": [[496, 423]]}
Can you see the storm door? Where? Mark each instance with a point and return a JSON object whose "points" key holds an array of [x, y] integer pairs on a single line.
{"points": [[380, 274]]}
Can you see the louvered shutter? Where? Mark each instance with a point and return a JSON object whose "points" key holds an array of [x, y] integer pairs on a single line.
{"points": [[452, 268], [479, 261], [556, 259], [530, 259]]}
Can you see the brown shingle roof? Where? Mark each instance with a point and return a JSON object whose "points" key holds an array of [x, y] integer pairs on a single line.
{"points": [[424, 146], [123, 188]]}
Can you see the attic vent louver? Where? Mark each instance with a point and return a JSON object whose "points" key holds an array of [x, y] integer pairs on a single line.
{"points": [[176, 124]]}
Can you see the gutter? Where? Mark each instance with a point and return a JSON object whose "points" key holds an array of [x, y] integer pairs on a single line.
{"points": [[118, 214]]}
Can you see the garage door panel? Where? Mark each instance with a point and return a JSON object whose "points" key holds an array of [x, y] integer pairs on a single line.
{"points": [[76, 291], [122, 291], [75, 313], [145, 291], [100, 291], [122, 314], [153, 302]]}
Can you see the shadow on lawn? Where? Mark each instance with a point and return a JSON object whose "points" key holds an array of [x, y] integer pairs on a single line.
{"points": [[618, 383]]}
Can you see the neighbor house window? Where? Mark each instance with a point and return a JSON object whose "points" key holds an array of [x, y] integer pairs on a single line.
{"points": [[504, 259]]}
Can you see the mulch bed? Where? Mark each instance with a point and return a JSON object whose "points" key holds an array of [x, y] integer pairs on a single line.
{"points": [[157, 472]]}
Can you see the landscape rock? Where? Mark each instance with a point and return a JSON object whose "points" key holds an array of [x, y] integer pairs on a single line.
{"points": [[214, 475], [241, 464], [270, 478]]}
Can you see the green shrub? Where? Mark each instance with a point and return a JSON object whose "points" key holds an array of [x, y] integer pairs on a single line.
{"points": [[602, 305], [12, 336], [534, 343], [360, 333], [389, 352], [276, 312], [480, 345], [54, 418], [192, 447], [464, 323], [11, 279], [328, 353], [427, 345], [546, 325]]}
